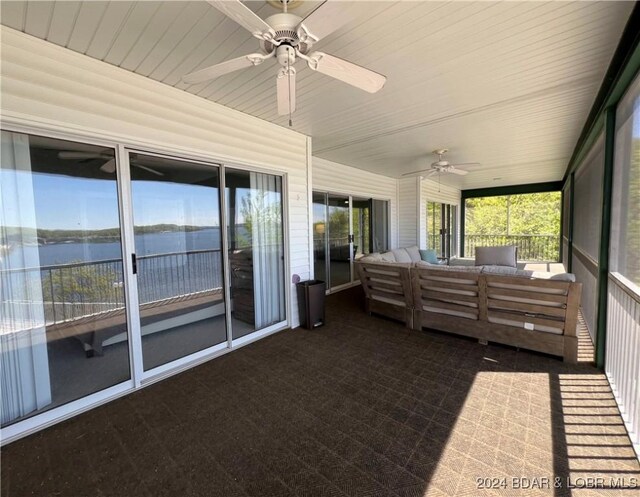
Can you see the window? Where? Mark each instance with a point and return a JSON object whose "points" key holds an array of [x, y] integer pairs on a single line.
{"points": [[625, 221], [530, 221], [442, 228]]}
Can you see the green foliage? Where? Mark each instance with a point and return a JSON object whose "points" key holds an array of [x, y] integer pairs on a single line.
{"points": [[530, 221], [257, 208], [338, 222], [629, 240], [529, 214], [82, 283]]}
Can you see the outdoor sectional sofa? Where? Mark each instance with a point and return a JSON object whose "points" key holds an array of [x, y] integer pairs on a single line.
{"points": [[535, 311]]}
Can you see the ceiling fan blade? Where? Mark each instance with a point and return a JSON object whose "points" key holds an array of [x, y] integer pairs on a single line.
{"points": [[324, 20], [109, 166], [433, 172], [148, 169], [347, 72], [460, 172], [286, 90], [413, 173], [466, 164], [213, 72], [243, 15]]}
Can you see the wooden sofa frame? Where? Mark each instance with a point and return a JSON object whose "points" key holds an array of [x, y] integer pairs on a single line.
{"points": [[387, 289], [469, 303]]}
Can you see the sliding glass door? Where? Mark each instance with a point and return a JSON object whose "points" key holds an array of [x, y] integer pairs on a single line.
{"points": [[441, 228], [340, 240], [254, 208], [178, 250], [61, 275], [117, 266], [344, 229]]}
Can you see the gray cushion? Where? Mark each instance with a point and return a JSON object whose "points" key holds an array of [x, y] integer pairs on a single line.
{"points": [[414, 253], [508, 270], [455, 269], [496, 256], [402, 255]]}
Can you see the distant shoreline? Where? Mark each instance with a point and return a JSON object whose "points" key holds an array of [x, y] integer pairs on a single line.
{"points": [[18, 234]]}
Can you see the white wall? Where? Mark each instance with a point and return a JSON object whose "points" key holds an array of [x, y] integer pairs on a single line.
{"points": [[327, 176], [408, 212], [48, 87]]}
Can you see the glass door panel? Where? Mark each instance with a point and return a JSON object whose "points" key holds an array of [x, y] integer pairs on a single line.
{"points": [[320, 233], [63, 330], [176, 216], [361, 217], [379, 225], [256, 250], [339, 241]]}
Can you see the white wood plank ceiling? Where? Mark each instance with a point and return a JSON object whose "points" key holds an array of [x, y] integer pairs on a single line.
{"points": [[508, 85]]}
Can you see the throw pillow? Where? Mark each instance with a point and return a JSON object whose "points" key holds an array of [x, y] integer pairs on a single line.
{"points": [[429, 256], [496, 256]]}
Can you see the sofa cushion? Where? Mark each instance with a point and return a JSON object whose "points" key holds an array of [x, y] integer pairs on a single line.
{"points": [[401, 255], [374, 257], [388, 257], [496, 256], [425, 264], [429, 256], [414, 253], [457, 269], [544, 275], [505, 270]]}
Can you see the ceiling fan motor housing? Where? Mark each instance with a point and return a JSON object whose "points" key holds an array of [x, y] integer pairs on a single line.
{"points": [[285, 25]]}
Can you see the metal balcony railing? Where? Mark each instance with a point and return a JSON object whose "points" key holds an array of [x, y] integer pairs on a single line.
{"points": [[75, 290], [530, 247]]}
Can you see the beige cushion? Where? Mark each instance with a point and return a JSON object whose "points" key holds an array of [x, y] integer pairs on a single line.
{"points": [[375, 257], [414, 253], [387, 257], [496, 256], [402, 255], [425, 264]]}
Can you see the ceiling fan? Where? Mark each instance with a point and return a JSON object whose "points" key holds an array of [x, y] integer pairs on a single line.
{"points": [[110, 162], [442, 166], [287, 37]]}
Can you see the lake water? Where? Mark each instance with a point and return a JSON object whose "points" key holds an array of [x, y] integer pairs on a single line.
{"points": [[146, 244]]}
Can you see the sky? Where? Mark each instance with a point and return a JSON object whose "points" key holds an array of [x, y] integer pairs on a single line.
{"points": [[63, 202], [68, 203]]}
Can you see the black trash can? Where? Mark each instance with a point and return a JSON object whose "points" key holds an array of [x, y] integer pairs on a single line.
{"points": [[311, 303]]}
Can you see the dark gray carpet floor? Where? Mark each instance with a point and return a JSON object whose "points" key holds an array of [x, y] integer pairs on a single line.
{"points": [[359, 407]]}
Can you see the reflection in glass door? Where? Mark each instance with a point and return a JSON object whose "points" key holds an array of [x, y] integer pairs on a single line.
{"points": [[346, 228], [340, 241], [63, 330], [361, 215], [320, 233], [254, 208], [176, 216]]}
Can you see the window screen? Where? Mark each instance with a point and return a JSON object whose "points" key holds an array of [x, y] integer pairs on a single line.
{"points": [[625, 215]]}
